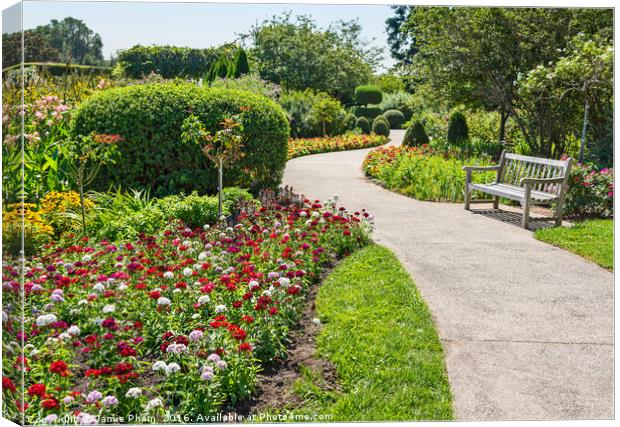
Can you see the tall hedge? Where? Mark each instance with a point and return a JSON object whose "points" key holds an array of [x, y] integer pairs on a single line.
{"points": [[149, 118], [241, 64], [368, 94], [457, 128], [168, 61]]}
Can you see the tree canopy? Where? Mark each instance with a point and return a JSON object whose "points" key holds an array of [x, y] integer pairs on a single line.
{"points": [[296, 54]]}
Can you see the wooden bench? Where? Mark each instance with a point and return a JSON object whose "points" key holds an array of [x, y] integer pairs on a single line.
{"points": [[525, 179]]}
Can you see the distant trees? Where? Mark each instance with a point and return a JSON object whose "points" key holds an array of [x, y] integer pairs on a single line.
{"points": [[515, 61], [66, 41], [37, 48], [296, 54]]}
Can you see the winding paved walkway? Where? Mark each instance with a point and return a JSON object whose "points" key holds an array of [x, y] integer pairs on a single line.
{"points": [[527, 328]]}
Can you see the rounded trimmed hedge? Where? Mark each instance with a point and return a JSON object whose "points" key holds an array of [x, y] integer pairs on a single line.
{"points": [[380, 126], [151, 155], [363, 124], [395, 118], [368, 112], [368, 94]]}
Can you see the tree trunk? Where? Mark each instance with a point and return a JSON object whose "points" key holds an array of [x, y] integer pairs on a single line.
{"points": [[584, 130], [503, 118]]}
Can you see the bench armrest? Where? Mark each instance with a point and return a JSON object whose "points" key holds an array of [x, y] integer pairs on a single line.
{"points": [[534, 181], [481, 168]]}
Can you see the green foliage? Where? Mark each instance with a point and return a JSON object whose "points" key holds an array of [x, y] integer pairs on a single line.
{"points": [[368, 94], [149, 118], [384, 315], [401, 101], [363, 125], [593, 239], [168, 61], [123, 216], [251, 83], [415, 135], [380, 126], [298, 55], [458, 132], [508, 63], [590, 192], [368, 112], [37, 48], [76, 43], [313, 114], [241, 66], [427, 177], [395, 118], [389, 83], [349, 122]]}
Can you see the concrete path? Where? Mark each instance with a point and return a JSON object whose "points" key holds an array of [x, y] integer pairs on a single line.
{"points": [[527, 328]]}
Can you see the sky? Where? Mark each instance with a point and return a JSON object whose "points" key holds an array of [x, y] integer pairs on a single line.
{"points": [[199, 25]]}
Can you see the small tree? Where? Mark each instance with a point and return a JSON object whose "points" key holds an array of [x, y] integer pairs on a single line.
{"points": [[325, 110], [222, 148], [458, 132], [86, 155], [241, 66]]}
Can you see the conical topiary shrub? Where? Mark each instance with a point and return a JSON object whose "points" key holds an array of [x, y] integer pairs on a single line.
{"points": [[363, 125], [241, 65], [415, 135], [457, 129]]}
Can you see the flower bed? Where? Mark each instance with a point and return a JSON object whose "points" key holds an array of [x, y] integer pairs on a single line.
{"points": [[590, 192], [421, 173], [168, 328], [350, 141]]}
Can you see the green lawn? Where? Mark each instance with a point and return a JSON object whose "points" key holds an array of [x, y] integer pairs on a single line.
{"points": [[593, 239], [379, 335]]}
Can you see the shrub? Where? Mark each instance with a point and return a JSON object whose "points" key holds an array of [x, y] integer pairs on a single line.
{"points": [[590, 192], [415, 135], [241, 66], [368, 112], [380, 126], [123, 216], [249, 83], [368, 94], [305, 109], [401, 101], [363, 125], [419, 173], [395, 118], [349, 122], [149, 118], [35, 230], [167, 61], [457, 129]]}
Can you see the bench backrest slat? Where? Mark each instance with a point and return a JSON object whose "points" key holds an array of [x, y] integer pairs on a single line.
{"points": [[515, 167]]}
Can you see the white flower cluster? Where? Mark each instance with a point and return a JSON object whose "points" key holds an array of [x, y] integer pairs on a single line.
{"points": [[46, 319], [168, 369], [176, 348]]}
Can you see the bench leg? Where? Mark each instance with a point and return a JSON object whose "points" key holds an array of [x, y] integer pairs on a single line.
{"points": [[467, 197], [526, 210], [496, 202], [558, 216]]}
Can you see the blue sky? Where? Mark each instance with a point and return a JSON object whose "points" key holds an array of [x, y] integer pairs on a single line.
{"points": [[122, 25]]}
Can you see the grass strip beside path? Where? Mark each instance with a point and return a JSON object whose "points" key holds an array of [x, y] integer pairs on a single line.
{"points": [[593, 239], [379, 335]]}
